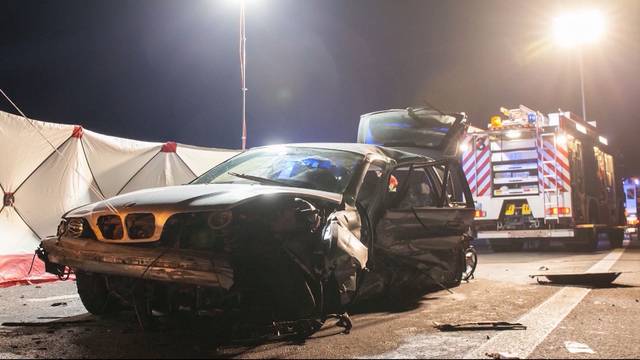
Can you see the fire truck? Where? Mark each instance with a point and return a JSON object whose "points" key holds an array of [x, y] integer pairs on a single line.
{"points": [[538, 178]]}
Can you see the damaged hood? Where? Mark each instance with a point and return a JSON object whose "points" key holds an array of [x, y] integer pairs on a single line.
{"points": [[193, 198]]}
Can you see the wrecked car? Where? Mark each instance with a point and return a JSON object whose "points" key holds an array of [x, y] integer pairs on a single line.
{"points": [[290, 233]]}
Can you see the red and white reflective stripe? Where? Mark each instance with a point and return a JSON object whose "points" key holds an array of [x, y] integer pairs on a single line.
{"points": [[476, 163], [558, 157]]}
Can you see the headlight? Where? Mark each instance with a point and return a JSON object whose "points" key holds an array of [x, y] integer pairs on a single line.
{"points": [[75, 227], [220, 219]]}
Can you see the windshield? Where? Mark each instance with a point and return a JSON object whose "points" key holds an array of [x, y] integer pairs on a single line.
{"points": [[410, 127], [319, 169]]}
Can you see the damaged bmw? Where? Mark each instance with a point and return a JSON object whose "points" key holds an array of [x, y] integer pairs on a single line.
{"points": [[283, 236]]}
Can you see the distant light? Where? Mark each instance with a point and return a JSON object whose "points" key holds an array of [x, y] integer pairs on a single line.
{"points": [[464, 147], [561, 140], [496, 121], [636, 181], [581, 128], [603, 140], [575, 29], [513, 134]]}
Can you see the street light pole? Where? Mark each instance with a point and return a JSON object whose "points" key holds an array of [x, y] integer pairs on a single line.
{"points": [[243, 72], [581, 66]]}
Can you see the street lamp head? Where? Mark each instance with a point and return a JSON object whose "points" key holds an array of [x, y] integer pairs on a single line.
{"points": [[579, 28]]}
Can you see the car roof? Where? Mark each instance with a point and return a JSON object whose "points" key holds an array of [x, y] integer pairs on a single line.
{"points": [[363, 149]]}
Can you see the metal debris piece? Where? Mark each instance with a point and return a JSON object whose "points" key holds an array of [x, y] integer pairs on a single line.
{"points": [[576, 347], [592, 279], [483, 325], [51, 323], [543, 268]]}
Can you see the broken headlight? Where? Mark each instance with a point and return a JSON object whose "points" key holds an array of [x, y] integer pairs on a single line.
{"points": [[75, 227]]}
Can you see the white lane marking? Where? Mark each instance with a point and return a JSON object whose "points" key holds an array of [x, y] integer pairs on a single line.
{"points": [[54, 298], [541, 320]]}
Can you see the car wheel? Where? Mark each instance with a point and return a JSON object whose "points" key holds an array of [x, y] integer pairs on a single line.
{"points": [[94, 294]]}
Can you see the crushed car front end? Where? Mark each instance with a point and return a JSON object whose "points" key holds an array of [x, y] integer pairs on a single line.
{"points": [[268, 252]]}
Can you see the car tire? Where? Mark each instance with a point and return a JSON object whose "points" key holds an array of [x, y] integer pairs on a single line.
{"points": [[94, 294]]}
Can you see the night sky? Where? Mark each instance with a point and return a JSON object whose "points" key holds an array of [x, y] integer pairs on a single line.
{"points": [[169, 70]]}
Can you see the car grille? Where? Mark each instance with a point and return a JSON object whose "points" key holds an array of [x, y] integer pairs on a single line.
{"points": [[111, 227], [140, 226]]}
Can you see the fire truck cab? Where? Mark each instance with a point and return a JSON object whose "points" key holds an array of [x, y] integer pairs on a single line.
{"points": [[538, 178]]}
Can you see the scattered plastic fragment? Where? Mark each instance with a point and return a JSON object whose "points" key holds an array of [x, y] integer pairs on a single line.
{"points": [[576, 347]]}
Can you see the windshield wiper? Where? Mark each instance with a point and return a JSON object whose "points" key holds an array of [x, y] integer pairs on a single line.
{"points": [[260, 179]]}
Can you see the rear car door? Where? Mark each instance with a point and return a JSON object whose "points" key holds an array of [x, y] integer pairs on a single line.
{"points": [[428, 207]]}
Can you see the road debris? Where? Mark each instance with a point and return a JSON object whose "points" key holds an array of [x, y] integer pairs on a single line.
{"points": [[59, 304], [501, 355], [477, 326], [543, 268], [576, 347], [590, 279], [51, 323]]}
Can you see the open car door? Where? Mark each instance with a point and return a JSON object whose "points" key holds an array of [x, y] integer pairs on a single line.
{"points": [[418, 130]]}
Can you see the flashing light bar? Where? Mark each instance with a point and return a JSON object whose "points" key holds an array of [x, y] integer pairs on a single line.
{"points": [[559, 211]]}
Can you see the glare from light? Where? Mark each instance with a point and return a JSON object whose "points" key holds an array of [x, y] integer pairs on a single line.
{"points": [[579, 28], [636, 181], [581, 128], [603, 140], [561, 140], [513, 134], [464, 147]]}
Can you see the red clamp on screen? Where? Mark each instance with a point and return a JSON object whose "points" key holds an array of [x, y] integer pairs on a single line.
{"points": [[169, 147], [77, 132]]}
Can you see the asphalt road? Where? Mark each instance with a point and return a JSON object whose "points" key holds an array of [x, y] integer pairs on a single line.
{"points": [[602, 321]]}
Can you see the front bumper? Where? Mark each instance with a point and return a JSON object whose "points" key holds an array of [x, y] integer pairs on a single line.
{"points": [[523, 234], [161, 264]]}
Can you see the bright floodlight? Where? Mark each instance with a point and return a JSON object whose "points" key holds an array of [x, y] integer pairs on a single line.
{"points": [[578, 28]]}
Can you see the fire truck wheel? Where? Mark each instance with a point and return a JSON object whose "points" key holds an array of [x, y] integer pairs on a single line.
{"points": [[616, 236], [588, 239]]}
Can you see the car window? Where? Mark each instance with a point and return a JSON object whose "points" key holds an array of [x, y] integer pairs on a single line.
{"points": [[412, 188], [455, 186]]}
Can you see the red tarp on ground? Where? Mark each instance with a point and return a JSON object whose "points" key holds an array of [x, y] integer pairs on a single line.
{"points": [[14, 270]]}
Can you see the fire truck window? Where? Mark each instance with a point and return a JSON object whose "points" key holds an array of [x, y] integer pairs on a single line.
{"points": [[414, 189]]}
